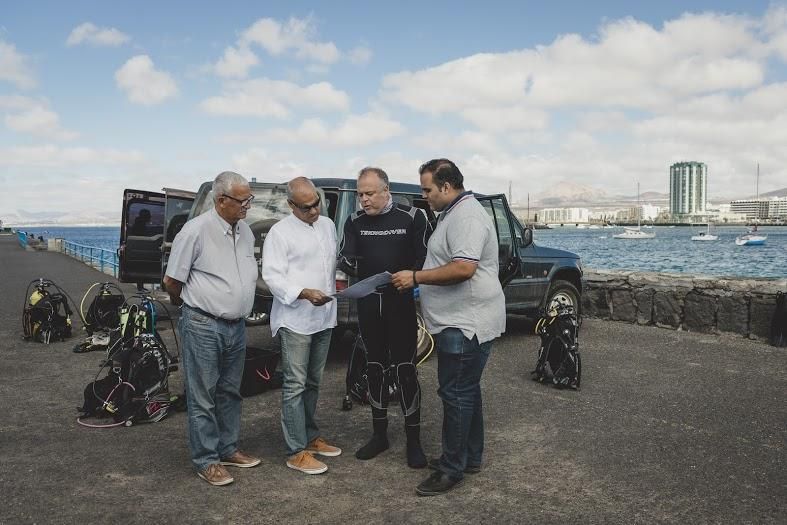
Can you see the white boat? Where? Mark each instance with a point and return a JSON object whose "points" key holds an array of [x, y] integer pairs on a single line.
{"points": [[705, 236], [751, 238], [634, 233], [630, 232]]}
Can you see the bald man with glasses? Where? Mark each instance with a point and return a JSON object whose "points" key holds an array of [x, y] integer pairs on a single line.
{"points": [[299, 267]]}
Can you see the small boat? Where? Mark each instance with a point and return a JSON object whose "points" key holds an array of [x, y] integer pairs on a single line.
{"points": [[705, 236], [751, 238], [635, 233]]}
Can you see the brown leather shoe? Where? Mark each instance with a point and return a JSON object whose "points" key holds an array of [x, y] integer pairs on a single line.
{"points": [[321, 447], [215, 474], [304, 462], [240, 459]]}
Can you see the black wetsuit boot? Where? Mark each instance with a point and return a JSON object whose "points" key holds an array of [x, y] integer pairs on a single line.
{"points": [[379, 442]]}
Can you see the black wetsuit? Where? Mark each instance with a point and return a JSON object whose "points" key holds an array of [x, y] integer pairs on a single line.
{"points": [[392, 241]]}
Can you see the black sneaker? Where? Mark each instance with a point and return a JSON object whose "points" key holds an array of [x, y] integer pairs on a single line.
{"points": [[436, 484], [434, 464]]}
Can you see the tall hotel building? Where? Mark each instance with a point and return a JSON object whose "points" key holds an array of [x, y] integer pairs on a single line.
{"points": [[688, 188]]}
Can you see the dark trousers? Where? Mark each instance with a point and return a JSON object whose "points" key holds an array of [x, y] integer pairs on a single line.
{"points": [[460, 364]]}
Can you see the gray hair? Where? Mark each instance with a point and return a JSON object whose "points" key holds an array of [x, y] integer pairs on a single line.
{"points": [[383, 176], [292, 186], [224, 182]]}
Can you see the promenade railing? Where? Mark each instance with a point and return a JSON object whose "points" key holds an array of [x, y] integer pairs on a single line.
{"points": [[100, 258]]}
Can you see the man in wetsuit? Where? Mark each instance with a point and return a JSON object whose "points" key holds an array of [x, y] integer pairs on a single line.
{"points": [[387, 236]]}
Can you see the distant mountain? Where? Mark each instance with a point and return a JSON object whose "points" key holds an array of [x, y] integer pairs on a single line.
{"points": [[566, 194], [775, 193], [60, 218]]}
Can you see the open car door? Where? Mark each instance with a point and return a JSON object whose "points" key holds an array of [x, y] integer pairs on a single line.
{"points": [[177, 208], [498, 210], [141, 236]]}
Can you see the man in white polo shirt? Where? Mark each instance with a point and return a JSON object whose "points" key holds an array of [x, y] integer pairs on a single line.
{"points": [[299, 267], [464, 308], [212, 272]]}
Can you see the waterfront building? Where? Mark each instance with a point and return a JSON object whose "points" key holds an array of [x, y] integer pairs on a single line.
{"points": [[688, 189], [564, 215], [774, 208]]}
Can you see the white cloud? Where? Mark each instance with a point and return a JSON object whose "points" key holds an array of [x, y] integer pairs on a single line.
{"points": [[296, 35], [631, 65], [17, 102], [236, 62], [14, 67], [274, 98], [355, 130], [49, 155], [617, 107], [41, 122], [267, 166], [360, 55], [96, 36], [143, 83]]}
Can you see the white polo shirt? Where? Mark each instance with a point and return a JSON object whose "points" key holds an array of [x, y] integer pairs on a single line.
{"points": [[477, 306], [218, 271], [297, 255]]}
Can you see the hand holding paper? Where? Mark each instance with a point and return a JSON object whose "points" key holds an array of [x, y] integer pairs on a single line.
{"points": [[366, 286]]}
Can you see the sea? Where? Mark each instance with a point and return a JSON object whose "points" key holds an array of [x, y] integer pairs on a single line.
{"points": [[672, 250]]}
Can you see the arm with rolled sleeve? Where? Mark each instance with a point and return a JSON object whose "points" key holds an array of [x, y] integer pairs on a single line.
{"points": [[275, 265]]}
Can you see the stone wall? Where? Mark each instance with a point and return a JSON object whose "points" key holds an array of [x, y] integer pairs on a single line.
{"points": [[696, 303]]}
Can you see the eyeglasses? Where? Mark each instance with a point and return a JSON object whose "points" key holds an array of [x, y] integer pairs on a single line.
{"points": [[243, 202], [306, 208]]}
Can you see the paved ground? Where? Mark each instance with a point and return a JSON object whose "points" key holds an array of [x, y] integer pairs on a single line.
{"points": [[669, 427]]}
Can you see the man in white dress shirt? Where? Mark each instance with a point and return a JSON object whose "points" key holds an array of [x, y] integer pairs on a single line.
{"points": [[299, 267]]}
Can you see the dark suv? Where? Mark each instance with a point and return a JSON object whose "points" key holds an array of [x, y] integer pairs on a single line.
{"points": [[533, 277]]}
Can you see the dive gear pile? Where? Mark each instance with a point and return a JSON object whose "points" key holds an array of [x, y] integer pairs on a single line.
{"points": [[559, 361], [136, 386], [103, 316], [46, 315]]}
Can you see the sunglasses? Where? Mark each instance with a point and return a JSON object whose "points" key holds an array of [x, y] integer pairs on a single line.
{"points": [[306, 208], [243, 202]]}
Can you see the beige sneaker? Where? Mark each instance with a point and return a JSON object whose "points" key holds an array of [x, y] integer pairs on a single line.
{"points": [[215, 474], [240, 459], [321, 447], [305, 462]]}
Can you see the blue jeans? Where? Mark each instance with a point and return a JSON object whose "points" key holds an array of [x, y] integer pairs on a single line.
{"points": [[460, 363], [213, 358], [302, 362]]}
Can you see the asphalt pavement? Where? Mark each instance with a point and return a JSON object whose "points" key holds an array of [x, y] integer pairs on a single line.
{"points": [[669, 427]]}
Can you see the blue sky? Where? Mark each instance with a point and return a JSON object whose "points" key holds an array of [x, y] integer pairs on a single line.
{"points": [[100, 96]]}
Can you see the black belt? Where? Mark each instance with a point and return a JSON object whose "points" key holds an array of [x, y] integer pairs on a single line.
{"points": [[214, 317]]}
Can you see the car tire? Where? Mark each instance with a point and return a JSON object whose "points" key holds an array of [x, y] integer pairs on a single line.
{"points": [[563, 292]]}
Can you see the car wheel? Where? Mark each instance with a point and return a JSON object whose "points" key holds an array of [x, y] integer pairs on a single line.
{"points": [[563, 293], [257, 319]]}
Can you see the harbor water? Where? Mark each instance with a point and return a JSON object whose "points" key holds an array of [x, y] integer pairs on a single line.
{"points": [[672, 250]]}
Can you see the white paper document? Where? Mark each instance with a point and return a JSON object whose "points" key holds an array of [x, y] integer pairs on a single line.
{"points": [[365, 287]]}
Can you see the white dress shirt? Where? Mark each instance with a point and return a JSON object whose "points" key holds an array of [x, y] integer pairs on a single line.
{"points": [[297, 255]]}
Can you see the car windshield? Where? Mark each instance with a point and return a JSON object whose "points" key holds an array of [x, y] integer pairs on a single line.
{"points": [[270, 202]]}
